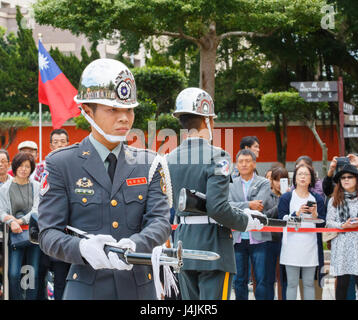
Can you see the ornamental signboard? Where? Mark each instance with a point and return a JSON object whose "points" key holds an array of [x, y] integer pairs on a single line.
{"points": [[348, 108], [319, 96], [351, 120], [350, 132], [317, 91]]}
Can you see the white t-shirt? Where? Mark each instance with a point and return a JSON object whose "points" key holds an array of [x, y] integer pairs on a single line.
{"points": [[299, 249]]}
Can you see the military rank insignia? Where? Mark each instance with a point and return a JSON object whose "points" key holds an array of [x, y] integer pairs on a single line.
{"points": [[84, 184]]}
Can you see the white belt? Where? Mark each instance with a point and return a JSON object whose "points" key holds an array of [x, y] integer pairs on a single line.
{"points": [[196, 220]]}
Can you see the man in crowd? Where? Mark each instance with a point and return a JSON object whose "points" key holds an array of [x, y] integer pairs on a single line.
{"points": [[249, 191], [58, 139], [197, 165], [103, 187], [4, 166], [251, 143]]}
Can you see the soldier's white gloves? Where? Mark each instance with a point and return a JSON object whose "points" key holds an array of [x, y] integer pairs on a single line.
{"points": [[124, 243], [92, 250], [253, 223]]}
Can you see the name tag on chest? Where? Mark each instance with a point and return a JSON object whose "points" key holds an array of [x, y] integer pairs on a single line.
{"points": [[136, 181]]}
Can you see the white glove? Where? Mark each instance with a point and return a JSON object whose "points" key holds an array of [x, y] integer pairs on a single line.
{"points": [[124, 243], [257, 212], [253, 223], [92, 250]]}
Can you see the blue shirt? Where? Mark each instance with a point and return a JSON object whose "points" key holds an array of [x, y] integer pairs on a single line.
{"points": [[103, 151], [245, 187]]}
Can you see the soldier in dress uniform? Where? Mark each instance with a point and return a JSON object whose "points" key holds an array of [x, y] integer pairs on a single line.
{"points": [[197, 165], [103, 187]]}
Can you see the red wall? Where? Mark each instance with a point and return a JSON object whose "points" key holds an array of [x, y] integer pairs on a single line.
{"points": [[300, 141]]}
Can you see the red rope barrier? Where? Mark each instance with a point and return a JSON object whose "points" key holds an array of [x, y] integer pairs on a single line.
{"points": [[289, 229]]}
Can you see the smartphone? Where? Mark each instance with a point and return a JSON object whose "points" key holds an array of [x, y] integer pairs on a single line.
{"points": [[283, 185], [310, 203]]}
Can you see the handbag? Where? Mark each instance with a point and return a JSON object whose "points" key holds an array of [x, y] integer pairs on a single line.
{"points": [[20, 240], [327, 236]]}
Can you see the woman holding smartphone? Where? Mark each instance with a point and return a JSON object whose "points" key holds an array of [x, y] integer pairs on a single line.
{"points": [[301, 252], [342, 213]]}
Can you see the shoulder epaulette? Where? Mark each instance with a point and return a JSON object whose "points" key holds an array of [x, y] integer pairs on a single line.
{"points": [[134, 149]]}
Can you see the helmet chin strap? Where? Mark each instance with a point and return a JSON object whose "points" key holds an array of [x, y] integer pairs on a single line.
{"points": [[108, 137], [207, 121]]}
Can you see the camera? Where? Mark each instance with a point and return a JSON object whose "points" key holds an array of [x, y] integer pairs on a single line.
{"points": [[341, 161]]}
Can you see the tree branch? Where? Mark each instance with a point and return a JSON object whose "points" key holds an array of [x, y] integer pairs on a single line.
{"points": [[179, 35], [244, 34]]}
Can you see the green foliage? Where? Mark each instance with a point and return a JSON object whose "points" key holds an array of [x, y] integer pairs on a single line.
{"points": [[7, 123], [167, 121], [143, 113], [292, 105], [81, 123], [102, 18], [18, 70], [160, 84]]}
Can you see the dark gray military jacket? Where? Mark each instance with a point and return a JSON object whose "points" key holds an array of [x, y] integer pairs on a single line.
{"points": [[197, 165], [78, 192]]}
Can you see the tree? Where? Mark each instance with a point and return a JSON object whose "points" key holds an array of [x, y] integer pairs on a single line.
{"points": [[206, 23], [289, 106], [160, 84], [9, 127]]}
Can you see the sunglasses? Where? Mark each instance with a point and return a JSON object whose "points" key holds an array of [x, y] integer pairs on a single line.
{"points": [[347, 177]]}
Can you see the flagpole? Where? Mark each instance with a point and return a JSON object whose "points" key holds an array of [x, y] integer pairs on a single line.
{"points": [[40, 119]]}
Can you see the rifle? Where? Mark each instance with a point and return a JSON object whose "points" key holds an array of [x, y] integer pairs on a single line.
{"points": [[195, 201], [170, 256]]}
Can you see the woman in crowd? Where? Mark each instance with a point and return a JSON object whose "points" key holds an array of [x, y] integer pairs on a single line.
{"points": [[274, 246], [19, 198], [317, 187], [301, 252], [342, 213]]}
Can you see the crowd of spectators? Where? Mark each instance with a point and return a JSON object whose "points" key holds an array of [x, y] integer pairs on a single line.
{"points": [[295, 260], [19, 198], [287, 261]]}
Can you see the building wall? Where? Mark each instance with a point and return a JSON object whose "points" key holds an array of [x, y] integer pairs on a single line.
{"points": [[64, 40], [300, 142]]}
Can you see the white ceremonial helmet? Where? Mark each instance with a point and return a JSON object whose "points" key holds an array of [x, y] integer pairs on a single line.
{"points": [[108, 82], [195, 101]]}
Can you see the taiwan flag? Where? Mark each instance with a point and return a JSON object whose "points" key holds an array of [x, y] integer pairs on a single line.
{"points": [[55, 90]]}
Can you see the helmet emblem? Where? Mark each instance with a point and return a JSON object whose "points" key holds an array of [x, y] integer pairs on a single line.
{"points": [[123, 90]]}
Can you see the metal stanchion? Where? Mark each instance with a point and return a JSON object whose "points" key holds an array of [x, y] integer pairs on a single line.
{"points": [[5, 252]]}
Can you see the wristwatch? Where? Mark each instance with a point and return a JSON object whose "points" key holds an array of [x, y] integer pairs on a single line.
{"points": [[8, 222]]}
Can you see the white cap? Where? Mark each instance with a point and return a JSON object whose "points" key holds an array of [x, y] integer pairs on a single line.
{"points": [[27, 144]]}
